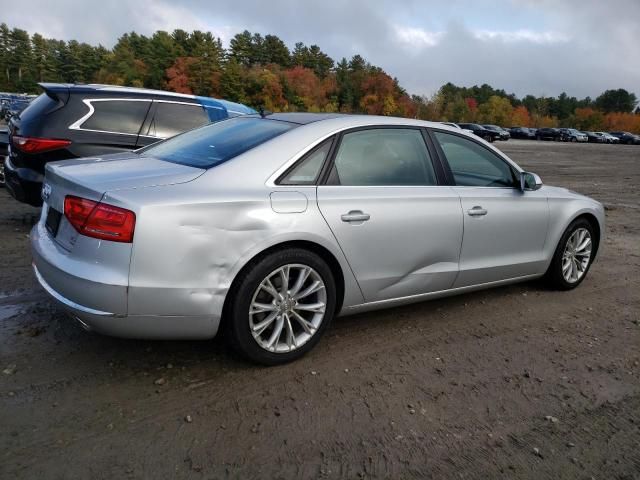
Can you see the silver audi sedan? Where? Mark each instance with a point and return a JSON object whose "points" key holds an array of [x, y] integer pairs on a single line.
{"points": [[269, 227]]}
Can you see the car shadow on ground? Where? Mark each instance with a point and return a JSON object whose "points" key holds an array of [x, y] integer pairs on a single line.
{"points": [[63, 338]]}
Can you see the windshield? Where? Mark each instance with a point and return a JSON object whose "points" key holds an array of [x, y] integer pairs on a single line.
{"points": [[208, 146]]}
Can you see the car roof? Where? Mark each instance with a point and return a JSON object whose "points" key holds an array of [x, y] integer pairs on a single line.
{"points": [[343, 120], [106, 90]]}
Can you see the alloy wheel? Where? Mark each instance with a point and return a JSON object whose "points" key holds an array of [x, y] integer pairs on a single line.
{"points": [[576, 255], [287, 308]]}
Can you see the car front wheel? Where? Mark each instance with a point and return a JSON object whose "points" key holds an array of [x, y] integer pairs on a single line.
{"points": [[282, 305], [573, 256]]}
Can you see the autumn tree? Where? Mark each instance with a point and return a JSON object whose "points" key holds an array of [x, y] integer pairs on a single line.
{"points": [[262, 71], [520, 117]]}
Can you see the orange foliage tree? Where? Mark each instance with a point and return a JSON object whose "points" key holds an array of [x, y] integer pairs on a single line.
{"points": [[628, 122], [178, 75], [520, 117]]}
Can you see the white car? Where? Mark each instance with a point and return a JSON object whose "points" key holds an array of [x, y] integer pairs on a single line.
{"points": [[608, 137], [455, 125]]}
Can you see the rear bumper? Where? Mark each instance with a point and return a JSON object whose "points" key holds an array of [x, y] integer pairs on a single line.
{"points": [[23, 184], [102, 307], [150, 327]]}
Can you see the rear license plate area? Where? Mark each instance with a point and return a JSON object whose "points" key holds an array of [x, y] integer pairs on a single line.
{"points": [[52, 222]]}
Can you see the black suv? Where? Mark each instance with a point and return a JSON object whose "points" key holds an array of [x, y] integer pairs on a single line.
{"points": [[502, 133], [626, 137], [71, 121], [488, 135], [523, 133], [550, 134]]}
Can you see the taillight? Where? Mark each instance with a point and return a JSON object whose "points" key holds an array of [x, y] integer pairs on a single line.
{"points": [[99, 220], [38, 145]]}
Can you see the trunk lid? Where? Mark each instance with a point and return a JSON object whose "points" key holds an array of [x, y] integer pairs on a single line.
{"points": [[121, 171], [91, 178]]}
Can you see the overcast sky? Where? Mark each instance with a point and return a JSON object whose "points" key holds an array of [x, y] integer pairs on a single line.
{"points": [[542, 47]]}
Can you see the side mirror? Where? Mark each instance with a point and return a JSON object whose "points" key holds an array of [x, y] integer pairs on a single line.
{"points": [[529, 181]]}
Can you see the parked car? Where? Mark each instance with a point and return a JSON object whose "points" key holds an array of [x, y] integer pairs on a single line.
{"points": [[608, 137], [502, 133], [523, 133], [595, 137], [549, 134], [455, 125], [573, 135], [15, 107], [270, 227], [627, 138], [480, 131], [4, 151], [4, 106], [71, 121]]}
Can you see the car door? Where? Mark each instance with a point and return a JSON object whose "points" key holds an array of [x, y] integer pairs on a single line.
{"points": [[170, 118], [398, 225], [504, 228]]}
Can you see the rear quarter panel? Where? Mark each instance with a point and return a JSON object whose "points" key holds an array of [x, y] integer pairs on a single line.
{"points": [[191, 241]]}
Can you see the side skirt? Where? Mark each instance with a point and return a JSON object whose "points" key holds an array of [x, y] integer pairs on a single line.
{"points": [[396, 302]]}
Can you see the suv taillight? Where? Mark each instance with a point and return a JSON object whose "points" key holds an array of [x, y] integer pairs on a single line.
{"points": [[38, 145], [100, 220]]}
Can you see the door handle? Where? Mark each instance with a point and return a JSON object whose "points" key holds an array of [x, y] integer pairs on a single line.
{"points": [[477, 211], [355, 216]]}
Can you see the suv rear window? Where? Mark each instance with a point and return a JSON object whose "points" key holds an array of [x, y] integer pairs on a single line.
{"points": [[40, 106], [173, 118], [117, 116], [208, 146]]}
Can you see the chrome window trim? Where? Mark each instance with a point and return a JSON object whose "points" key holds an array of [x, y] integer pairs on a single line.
{"points": [[77, 125]]}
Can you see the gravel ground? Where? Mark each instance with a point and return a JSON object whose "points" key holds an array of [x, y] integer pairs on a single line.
{"points": [[514, 382]]}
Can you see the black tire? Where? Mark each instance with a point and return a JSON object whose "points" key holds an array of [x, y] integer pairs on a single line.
{"points": [[237, 328], [573, 139], [553, 276], [538, 138]]}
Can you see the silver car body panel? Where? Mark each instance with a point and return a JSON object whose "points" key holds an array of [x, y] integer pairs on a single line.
{"points": [[410, 244], [196, 229]]}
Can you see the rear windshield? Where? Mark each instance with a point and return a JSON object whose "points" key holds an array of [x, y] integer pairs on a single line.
{"points": [[40, 106], [208, 146]]}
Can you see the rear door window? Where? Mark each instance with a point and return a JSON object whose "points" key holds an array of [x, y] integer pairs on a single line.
{"points": [[383, 157], [117, 116], [173, 118], [307, 171]]}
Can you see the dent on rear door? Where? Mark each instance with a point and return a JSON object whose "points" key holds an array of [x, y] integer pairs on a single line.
{"points": [[409, 245]]}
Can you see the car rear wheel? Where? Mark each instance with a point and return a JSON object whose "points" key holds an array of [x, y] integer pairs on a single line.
{"points": [[282, 305], [573, 256]]}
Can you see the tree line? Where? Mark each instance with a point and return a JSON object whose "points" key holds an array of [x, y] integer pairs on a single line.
{"points": [[263, 72]]}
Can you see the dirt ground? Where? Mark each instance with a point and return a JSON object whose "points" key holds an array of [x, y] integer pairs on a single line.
{"points": [[515, 382]]}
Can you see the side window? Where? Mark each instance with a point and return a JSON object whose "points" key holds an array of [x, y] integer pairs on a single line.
{"points": [[383, 157], [117, 116], [306, 172], [473, 165], [173, 118]]}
